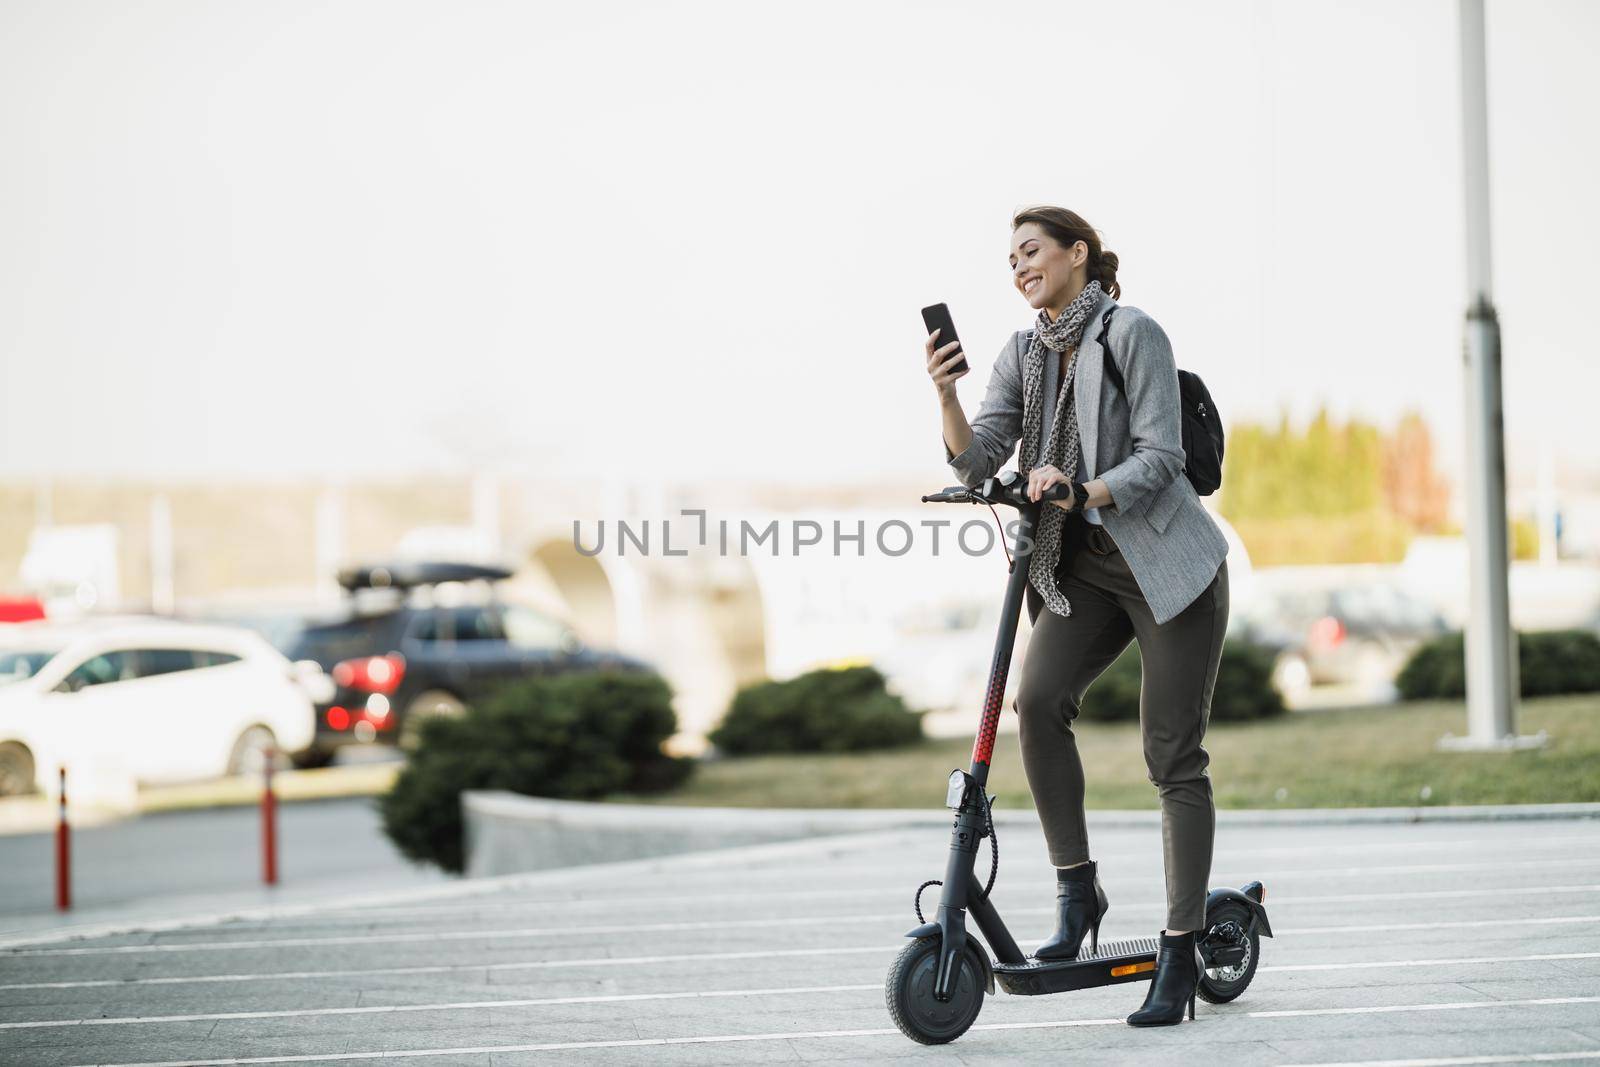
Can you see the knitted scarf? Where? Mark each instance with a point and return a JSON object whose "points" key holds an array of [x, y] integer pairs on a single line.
{"points": [[1061, 451]]}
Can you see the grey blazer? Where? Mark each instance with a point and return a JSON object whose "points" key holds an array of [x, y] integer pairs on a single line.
{"points": [[1134, 444]]}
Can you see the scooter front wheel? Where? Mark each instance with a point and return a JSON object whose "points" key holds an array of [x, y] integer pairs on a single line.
{"points": [[909, 991]]}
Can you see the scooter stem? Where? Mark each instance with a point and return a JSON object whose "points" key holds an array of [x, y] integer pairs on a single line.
{"points": [[1005, 642], [957, 895]]}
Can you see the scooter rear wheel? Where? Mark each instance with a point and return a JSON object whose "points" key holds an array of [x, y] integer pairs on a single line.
{"points": [[1218, 985], [909, 991]]}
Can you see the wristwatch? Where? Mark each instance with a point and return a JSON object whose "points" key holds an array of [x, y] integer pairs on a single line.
{"points": [[1080, 496]]}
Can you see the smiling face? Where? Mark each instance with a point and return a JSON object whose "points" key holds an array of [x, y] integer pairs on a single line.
{"points": [[1046, 274]]}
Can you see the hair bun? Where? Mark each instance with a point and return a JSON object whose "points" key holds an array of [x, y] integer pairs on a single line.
{"points": [[1106, 272]]}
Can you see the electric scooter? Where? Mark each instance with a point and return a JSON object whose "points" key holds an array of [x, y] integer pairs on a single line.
{"points": [[936, 985]]}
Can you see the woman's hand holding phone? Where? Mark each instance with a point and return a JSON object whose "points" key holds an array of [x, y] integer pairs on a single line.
{"points": [[946, 362], [945, 365]]}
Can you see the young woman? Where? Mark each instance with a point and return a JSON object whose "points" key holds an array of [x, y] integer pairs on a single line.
{"points": [[1131, 556]]}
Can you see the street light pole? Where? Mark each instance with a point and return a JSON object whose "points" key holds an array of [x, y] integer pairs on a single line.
{"points": [[1491, 651]]}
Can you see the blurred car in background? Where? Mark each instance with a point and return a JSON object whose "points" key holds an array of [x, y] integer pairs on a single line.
{"points": [[159, 700], [1358, 635], [406, 648]]}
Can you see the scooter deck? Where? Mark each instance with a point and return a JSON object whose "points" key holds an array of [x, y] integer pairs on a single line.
{"points": [[1133, 960]]}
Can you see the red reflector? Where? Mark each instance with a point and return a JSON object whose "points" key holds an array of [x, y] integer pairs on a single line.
{"points": [[338, 718]]}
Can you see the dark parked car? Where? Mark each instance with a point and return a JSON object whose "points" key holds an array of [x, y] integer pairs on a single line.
{"points": [[396, 662]]}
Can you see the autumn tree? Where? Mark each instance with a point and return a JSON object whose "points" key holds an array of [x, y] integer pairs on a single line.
{"points": [[1412, 488], [1335, 492]]}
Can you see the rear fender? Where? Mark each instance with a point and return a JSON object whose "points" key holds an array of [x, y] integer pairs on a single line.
{"points": [[1256, 910]]}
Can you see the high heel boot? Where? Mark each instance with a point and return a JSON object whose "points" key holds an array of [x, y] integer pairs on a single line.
{"points": [[1178, 969], [1080, 905]]}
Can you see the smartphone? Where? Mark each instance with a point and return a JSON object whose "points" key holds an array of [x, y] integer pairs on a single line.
{"points": [[937, 317]]}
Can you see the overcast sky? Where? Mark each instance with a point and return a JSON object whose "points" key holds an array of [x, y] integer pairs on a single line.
{"points": [[309, 239]]}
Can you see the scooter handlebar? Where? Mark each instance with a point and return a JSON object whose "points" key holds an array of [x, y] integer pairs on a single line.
{"points": [[1006, 488]]}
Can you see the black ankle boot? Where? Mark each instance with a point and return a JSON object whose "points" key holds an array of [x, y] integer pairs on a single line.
{"points": [[1080, 905], [1178, 967]]}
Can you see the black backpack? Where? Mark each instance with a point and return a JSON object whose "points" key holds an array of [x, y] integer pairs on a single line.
{"points": [[1202, 427]]}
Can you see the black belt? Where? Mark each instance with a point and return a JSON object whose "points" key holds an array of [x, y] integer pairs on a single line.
{"points": [[1092, 535]]}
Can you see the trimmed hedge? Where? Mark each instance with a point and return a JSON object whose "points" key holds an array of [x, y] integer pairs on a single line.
{"points": [[1549, 662], [578, 736], [1244, 689], [845, 710]]}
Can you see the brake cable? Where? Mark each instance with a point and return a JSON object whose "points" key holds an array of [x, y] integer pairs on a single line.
{"points": [[1001, 527]]}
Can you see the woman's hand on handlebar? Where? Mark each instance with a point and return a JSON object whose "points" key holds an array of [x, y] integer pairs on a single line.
{"points": [[941, 362], [1042, 478]]}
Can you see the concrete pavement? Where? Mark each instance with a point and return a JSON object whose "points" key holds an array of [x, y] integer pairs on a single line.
{"points": [[1440, 942]]}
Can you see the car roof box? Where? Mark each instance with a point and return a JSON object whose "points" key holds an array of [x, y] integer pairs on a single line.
{"points": [[408, 575]]}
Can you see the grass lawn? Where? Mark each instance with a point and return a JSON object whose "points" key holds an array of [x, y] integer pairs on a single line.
{"points": [[1359, 757]]}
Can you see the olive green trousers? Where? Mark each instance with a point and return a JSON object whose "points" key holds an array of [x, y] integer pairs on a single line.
{"points": [[1067, 653]]}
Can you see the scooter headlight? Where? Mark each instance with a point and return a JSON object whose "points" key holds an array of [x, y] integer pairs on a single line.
{"points": [[956, 795]]}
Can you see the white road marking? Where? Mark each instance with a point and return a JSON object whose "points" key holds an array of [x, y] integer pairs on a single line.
{"points": [[1451, 924], [1453, 1061], [657, 1042], [612, 998], [458, 968], [1386, 1009], [722, 924], [691, 957], [465, 1005], [1431, 894], [1370, 965]]}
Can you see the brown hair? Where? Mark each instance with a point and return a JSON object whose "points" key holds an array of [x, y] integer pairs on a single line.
{"points": [[1067, 228]]}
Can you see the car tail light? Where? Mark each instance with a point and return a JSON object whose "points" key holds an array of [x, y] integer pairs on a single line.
{"points": [[372, 674], [1327, 632], [338, 718]]}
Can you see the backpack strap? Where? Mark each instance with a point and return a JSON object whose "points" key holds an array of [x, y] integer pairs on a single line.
{"points": [[1105, 350]]}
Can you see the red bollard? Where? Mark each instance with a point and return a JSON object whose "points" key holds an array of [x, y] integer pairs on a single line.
{"points": [[63, 850], [269, 825]]}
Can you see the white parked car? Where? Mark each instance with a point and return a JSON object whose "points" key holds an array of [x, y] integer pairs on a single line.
{"points": [[148, 698]]}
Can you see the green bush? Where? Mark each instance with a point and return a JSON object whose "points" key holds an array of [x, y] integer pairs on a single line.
{"points": [[828, 710], [574, 735], [1243, 692], [1558, 661], [1549, 662], [1436, 670]]}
